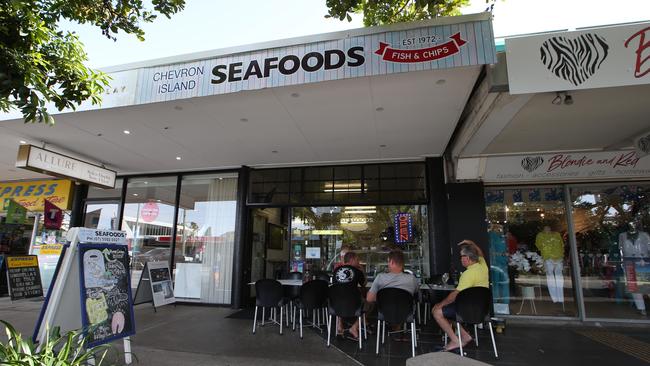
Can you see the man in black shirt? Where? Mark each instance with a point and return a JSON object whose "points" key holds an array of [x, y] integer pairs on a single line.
{"points": [[350, 273]]}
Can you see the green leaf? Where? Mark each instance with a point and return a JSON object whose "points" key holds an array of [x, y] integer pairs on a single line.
{"points": [[39, 63]]}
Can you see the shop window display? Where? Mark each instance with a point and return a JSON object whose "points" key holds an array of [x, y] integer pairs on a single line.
{"points": [[319, 233], [530, 267], [102, 207], [612, 224], [205, 238], [148, 221]]}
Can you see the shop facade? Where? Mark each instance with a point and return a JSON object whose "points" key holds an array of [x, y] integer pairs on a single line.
{"points": [[564, 165], [270, 158], [26, 233], [258, 161]]}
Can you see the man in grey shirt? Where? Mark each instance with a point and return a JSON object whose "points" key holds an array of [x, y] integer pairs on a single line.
{"points": [[395, 278]]}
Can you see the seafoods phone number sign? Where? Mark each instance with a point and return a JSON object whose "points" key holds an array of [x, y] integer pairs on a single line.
{"points": [[105, 287]]}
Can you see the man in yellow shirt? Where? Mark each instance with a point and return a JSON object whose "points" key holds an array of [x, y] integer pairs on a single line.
{"points": [[476, 275]]}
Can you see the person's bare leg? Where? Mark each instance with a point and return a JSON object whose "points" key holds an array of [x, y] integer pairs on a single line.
{"points": [[445, 325], [354, 329], [466, 338], [339, 325]]}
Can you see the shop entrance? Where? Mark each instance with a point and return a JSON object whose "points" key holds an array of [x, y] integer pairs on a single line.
{"points": [[309, 239]]}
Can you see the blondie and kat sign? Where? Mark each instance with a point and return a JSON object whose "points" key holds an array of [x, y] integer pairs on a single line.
{"points": [[594, 58], [566, 166], [386, 52]]}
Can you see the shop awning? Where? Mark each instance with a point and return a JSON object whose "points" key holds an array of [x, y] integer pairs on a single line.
{"points": [[565, 105]]}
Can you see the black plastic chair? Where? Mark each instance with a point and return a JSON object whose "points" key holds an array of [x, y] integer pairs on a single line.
{"points": [[291, 293], [269, 295], [395, 306], [473, 308], [313, 297], [344, 300], [321, 275]]}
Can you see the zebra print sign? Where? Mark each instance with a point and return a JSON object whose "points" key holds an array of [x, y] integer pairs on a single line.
{"points": [[574, 60]]}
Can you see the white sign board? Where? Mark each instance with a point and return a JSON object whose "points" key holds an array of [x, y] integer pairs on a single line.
{"points": [[87, 235], [312, 253], [44, 161], [388, 50], [594, 58], [188, 280], [161, 283], [559, 167]]}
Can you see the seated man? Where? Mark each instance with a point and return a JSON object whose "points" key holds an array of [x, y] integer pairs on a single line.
{"points": [[476, 275], [344, 250], [350, 273], [395, 278]]}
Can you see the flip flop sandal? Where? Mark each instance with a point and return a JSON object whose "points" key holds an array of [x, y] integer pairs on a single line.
{"points": [[350, 336]]}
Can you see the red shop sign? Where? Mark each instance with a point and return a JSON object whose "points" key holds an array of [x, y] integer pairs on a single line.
{"points": [[437, 52]]}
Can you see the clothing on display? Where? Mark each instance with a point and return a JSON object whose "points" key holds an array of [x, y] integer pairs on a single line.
{"points": [[499, 266], [555, 279], [635, 245], [551, 247], [550, 244]]}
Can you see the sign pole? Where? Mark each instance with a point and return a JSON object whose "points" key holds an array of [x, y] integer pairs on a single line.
{"points": [[127, 350]]}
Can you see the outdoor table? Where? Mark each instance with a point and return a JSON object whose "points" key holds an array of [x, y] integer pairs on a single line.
{"points": [[285, 282]]}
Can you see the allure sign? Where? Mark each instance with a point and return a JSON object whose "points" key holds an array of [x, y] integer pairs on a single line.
{"points": [[566, 166]]}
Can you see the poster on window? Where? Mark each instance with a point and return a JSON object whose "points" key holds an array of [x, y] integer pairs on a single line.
{"points": [[105, 286], [161, 283], [637, 272]]}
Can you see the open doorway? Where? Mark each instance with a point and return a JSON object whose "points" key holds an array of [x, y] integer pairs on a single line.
{"points": [[269, 244]]}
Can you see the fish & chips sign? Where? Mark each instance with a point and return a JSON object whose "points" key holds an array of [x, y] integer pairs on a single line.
{"points": [[368, 54]]}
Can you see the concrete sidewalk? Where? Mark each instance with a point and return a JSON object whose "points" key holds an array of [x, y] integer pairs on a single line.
{"points": [[201, 336]]}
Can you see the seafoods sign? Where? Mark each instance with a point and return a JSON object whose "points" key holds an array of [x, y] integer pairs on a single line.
{"points": [[594, 58], [368, 54]]}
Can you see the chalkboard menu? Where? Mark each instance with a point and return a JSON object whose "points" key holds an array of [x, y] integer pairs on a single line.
{"points": [[23, 277], [105, 284]]}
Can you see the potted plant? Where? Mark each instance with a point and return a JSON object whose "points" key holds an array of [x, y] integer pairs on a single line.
{"points": [[56, 350]]}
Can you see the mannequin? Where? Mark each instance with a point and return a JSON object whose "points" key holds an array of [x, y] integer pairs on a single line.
{"points": [[635, 245], [551, 247], [499, 266]]}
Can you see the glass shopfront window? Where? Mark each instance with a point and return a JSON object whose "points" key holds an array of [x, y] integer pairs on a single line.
{"points": [[148, 221], [102, 207], [318, 233], [611, 224], [530, 266], [206, 238], [339, 185]]}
